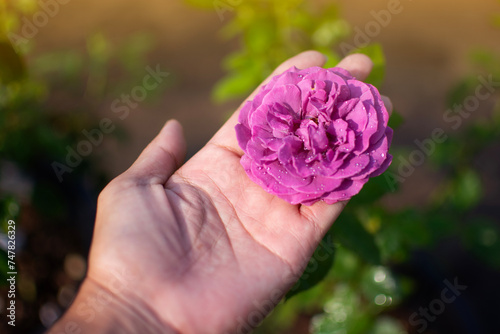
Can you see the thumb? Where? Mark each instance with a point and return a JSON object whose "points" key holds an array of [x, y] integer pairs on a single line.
{"points": [[162, 157]]}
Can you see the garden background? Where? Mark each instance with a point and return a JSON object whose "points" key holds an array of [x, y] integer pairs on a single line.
{"points": [[432, 220]]}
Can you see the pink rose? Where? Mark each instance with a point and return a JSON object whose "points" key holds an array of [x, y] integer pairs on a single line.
{"points": [[314, 134]]}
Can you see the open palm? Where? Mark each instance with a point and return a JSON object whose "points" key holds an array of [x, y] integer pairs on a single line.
{"points": [[205, 250]]}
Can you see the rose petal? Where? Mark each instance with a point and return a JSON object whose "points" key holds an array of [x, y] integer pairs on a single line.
{"points": [[320, 185], [345, 191], [314, 134], [285, 177], [287, 96], [243, 135], [352, 166]]}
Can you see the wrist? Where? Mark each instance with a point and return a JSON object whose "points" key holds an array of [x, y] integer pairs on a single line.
{"points": [[98, 310]]}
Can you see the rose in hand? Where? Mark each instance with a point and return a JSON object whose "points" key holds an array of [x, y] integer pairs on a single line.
{"points": [[314, 134]]}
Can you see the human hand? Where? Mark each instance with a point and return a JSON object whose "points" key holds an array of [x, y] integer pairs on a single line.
{"points": [[197, 248]]}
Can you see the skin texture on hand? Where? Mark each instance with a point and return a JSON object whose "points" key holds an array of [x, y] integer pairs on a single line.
{"points": [[197, 248]]}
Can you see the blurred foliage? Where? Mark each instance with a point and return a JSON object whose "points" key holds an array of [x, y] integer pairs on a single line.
{"points": [[352, 287], [269, 32], [349, 286]]}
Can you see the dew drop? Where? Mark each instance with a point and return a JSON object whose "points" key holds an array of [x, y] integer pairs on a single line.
{"points": [[382, 155]]}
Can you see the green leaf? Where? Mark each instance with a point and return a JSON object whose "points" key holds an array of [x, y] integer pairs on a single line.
{"points": [[373, 190], [318, 267], [461, 90], [352, 235], [437, 226], [376, 54], [261, 36], [466, 190], [333, 58], [236, 85], [395, 120], [346, 265]]}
